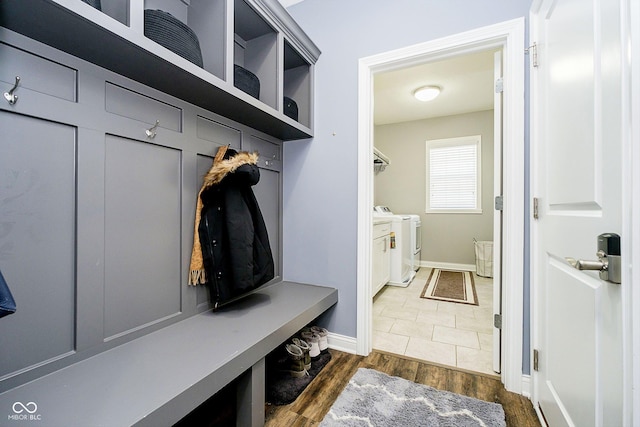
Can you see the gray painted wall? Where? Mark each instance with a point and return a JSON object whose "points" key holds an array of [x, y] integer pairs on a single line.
{"points": [[320, 176], [446, 238]]}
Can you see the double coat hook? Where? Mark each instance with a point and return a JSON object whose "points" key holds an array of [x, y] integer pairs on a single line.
{"points": [[151, 132], [10, 96]]}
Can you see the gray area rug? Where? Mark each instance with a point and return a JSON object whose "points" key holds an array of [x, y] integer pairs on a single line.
{"points": [[372, 398]]}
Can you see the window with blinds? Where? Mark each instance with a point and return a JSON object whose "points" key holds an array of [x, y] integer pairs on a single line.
{"points": [[453, 175]]}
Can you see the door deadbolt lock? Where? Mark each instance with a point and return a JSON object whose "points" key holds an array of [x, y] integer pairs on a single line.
{"points": [[608, 263]]}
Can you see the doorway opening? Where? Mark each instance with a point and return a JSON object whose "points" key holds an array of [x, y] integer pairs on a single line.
{"points": [[508, 37], [453, 141]]}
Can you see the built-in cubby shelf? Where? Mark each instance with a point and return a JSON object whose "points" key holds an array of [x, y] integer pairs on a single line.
{"points": [[255, 51], [297, 83], [257, 35]]}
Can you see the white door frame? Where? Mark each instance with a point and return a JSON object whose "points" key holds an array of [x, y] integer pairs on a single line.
{"points": [[631, 224], [509, 36]]}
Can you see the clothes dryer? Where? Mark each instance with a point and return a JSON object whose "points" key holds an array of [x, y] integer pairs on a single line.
{"points": [[401, 253]]}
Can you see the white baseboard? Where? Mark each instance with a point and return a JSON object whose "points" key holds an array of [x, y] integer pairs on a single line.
{"points": [[543, 421], [448, 265], [526, 386], [342, 343]]}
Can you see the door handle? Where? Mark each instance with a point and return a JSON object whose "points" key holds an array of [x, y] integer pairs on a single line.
{"points": [[609, 260], [602, 264]]}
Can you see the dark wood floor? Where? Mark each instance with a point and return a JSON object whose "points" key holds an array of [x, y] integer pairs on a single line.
{"points": [[312, 405]]}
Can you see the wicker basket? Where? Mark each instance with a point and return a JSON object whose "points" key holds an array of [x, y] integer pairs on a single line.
{"points": [[290, 108], [168, 31], [246, 81]]}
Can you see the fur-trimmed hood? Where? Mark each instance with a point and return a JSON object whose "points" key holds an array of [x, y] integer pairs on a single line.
{"points": [[224, 167]]}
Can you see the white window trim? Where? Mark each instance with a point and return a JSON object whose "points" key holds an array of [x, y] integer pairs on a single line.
{"points": [[451, 142]]}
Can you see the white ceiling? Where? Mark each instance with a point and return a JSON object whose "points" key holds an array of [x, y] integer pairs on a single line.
{"points": [[466, 82]]}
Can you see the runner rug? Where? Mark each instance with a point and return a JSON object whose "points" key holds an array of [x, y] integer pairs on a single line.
{"points": [[372, 398], [452, 286]]}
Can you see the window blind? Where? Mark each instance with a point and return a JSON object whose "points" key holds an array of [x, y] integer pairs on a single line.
{"points": [[453, 175]]}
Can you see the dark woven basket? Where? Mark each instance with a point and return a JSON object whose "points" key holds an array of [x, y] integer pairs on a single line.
{"points": [[290, 108], [168, 31], [94, 3], [246, 81]]}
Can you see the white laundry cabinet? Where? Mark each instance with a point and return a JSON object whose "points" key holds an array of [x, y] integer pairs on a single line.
{"points": [[381, 255]]}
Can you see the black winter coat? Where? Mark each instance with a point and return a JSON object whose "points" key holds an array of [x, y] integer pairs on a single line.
{"points": [[235, 244]]}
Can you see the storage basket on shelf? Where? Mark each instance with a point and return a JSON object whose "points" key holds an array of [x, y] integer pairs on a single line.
{"points": [[168, 31], [246, 81], [290, 108]]}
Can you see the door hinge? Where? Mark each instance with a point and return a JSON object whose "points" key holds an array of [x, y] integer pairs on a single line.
{"points": [[499, 203], [497, 321], [499, 85], [533, 50], [535, 208], [536, 359]]}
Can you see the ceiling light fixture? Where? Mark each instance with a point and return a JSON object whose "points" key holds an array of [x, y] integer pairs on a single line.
{"points": [[426, 93]]}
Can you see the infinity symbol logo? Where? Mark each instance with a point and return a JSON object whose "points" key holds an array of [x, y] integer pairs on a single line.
{"points": [[30, 407]]}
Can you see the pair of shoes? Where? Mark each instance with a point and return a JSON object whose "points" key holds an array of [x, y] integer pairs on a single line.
{"points": [[313, 340], [306, 349], [295, 364], [317, 339], [323, 343]]}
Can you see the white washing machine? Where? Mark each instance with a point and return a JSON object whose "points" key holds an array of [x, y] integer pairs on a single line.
{"points": [[416, 241], [401, 253]]}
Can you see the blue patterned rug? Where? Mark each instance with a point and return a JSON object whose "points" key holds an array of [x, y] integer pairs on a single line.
{"points": [[372, 398]]}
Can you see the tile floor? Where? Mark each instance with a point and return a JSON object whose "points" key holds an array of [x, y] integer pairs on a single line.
{"points": [[443, 332]]}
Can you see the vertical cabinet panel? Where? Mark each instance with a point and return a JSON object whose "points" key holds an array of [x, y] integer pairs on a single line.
{"points": [[203, 165], [37, 239], [267, 192], [142, 234]]}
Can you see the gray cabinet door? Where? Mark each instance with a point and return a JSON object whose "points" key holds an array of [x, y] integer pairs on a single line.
{"points": [[143, 205], [37, 239], [267, 192]]}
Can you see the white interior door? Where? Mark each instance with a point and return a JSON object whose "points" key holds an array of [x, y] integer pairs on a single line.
{"points": [[577, 174], [497, 215]]}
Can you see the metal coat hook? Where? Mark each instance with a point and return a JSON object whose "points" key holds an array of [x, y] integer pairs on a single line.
{"points": [[9, 96], [151, 132]]}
